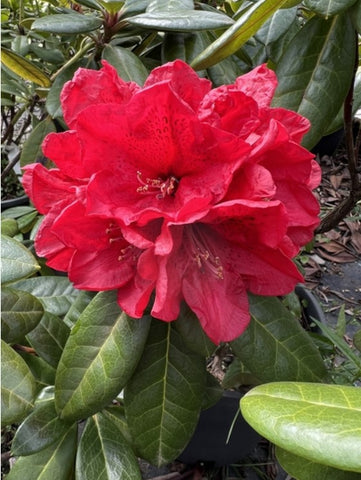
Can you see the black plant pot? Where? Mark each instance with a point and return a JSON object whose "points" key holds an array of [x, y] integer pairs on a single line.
{"points": [[14, 202], [311, 309], [329, 143], [209, 442]]}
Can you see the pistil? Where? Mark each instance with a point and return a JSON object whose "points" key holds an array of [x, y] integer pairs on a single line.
{"points": [[157, 186]]}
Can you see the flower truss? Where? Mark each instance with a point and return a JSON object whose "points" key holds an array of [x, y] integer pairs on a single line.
{"points": [[179, 190]]}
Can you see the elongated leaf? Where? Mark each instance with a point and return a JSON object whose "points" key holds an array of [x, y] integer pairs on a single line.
{"points": [[40, 429], [16, 261], [31, 151], [181, 21], [169, 5], [99, 357], [164, 396], [317, 421], [315, 73], [303, 469], [276, 26], [21, 312], [243, 29], [17, 386], [104, 454], [128, 65], [78, 306], [71, 23], [24, 68], [275, 346], [55, 293], [43, 373], [54, 462], [49, 338], [193, 334], [328, 8]]}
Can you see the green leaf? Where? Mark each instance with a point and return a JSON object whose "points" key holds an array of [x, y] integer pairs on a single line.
{"points": [[275, 346], [128, 65], [24, 68], [51, 55], [55, 293], [17, 386], [43, 373], [357, 340], [9, 227], [276, 26], [192, 333], [17, 212], [340, 344], [49, 338], [319, 422], [104, 454], [164, 396], [355, 14], [169, 5], [303, 469], [99, 357], [40, 429], [328, 8], [16, 260], [181, 21], [54, 462], [52, 102], [116, 414], [78, 306], [315, 73], [243, 29], [21, 312], [68, 23], [31, 150]]}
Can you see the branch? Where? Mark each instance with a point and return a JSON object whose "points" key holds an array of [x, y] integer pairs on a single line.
{"points": [[331, 220]]}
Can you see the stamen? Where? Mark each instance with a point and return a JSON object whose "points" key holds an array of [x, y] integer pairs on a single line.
{"points": [[152, 186], [202, 254]]}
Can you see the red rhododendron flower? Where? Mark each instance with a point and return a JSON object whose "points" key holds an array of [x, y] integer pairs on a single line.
{"points": [[174, 188]]}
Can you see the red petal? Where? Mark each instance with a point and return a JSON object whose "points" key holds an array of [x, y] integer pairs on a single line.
{"points": [[183, 80], [260, 84], [90, 87], [64, 149]]}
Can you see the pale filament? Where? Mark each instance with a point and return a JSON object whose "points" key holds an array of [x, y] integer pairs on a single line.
{"points": [[203, 255], [157, 186]]}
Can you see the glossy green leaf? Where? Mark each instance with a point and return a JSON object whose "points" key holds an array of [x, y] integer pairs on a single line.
{"points": [[275, 346], [16, 260], [67, 23], [317, 421], [328, 8], [129, 67], [104, 454], [25, 69], [49, 338], [17, 386], [54, 462], [357, 340], [50, 55], [20, 313], [43, 373], [17, 212], [315, 73], [99, 357], [192, 333], [164, 396], [78, 306], [276, 26], [56, 293], [355, 13], [303, 469], [52, 102], [338, 121], [40, 429], [31, 150], [169, 5], [231, 40], [116, 414], [181, 21]]}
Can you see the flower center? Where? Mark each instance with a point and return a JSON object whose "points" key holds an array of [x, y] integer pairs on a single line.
{"points": [[127, 252], [158, 186], [203, 254]]}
